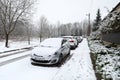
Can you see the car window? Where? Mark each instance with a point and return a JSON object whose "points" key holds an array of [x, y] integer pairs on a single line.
{"points": [[64, 41]]}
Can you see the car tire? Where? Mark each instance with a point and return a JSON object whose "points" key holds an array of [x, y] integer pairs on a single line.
{"points": [[69, 52], [60, 59]]}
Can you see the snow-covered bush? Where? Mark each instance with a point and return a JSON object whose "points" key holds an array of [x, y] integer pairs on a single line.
{"points": [[107, 59], [106, 56], [111, 23]]}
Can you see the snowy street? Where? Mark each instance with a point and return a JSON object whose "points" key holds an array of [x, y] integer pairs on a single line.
{"points": [[78, 67], [59, 40]]}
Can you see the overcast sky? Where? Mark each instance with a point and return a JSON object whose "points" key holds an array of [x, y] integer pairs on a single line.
{"points": [[67, 11]]}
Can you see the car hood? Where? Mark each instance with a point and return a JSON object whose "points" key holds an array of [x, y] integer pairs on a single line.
{"points": [[44, 51]]}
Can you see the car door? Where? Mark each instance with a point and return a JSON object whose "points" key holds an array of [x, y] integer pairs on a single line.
{"points": [[64, 47], [63, 50]]}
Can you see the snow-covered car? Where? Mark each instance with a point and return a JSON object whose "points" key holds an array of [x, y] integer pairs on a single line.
{"points": [[78, 38], [72, 41], [51, 51]]}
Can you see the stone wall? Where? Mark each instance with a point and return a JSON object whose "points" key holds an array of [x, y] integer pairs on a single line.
{"points": [[112, 37]]}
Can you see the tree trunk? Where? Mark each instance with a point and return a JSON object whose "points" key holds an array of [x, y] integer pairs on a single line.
{"points": [[7, 39], [29, 39], [40, 38], [28, 35]]}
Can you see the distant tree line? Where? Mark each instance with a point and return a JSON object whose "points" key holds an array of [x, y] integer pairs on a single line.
{"points": [[56, 30]]}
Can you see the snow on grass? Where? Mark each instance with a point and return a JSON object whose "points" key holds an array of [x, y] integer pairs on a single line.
{"points": [[17, 44], [79, 67]]}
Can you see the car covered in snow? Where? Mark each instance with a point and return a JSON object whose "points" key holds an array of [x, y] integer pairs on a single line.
{"points": [[72, 41], [78, 38], [51, 51]]}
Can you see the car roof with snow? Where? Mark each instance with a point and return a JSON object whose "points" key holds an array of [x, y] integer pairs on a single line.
{"points": [[67, 36], [70, 37]]}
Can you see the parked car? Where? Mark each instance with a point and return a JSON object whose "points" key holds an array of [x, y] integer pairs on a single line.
{"points": [[72, 41], [51, 51], [78, 38]]}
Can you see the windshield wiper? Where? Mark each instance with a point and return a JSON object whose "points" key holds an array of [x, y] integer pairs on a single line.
{"points": [[46, 46]]}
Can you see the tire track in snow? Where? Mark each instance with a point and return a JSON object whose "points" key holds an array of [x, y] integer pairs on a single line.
{"points": [[14, 59]]}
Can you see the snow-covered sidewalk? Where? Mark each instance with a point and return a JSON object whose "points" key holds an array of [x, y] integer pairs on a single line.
{"points": [[79, 67]]}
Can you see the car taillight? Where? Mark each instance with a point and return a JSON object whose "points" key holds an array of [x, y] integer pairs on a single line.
{"points": [[71, 40]]}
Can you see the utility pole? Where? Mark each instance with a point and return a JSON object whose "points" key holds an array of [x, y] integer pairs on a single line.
{"points": [[89, 26]]}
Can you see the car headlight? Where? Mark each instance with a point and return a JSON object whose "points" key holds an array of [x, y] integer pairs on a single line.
{"points": [[33, 56]]}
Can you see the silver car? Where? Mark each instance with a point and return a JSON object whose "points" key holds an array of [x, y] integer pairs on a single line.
{"points": [[72, 41], [50, 51]]}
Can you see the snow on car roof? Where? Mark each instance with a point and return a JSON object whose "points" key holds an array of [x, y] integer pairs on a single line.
{"points": [[67, 36], [52, 42]]}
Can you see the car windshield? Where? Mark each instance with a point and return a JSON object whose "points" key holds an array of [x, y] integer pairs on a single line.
{"points": [[51, 42]]}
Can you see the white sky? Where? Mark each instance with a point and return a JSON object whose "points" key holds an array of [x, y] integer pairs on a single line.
{"points": [[67, 11]]}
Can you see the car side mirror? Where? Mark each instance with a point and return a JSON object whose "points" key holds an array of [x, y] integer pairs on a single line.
{"points": [[62, 46]]}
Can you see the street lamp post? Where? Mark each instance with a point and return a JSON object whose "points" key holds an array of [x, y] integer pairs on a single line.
{"points": [[89, 26]]}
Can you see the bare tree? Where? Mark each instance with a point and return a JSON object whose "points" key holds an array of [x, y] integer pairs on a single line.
{"points": [[42, 24], [28, 31], [107, 9], [10, 12]]}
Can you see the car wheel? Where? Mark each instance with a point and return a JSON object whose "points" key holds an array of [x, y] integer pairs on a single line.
{"points": [[69, 52], [60, 59], [76, 46]]}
